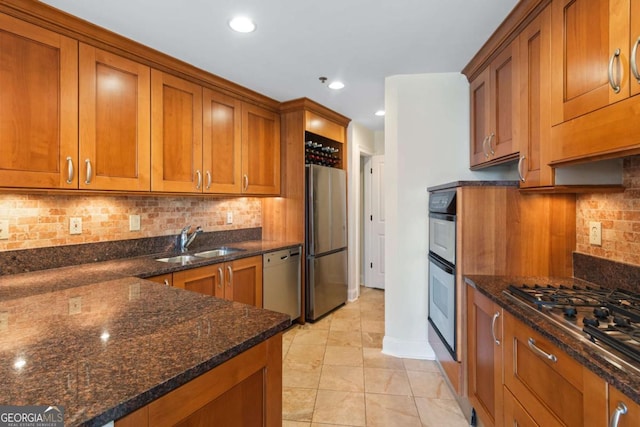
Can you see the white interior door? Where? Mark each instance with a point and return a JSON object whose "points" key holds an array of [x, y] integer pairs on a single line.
{"points": [[374, 239]]}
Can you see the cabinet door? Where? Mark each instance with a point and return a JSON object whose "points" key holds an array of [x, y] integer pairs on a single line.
{"points": [[204, 280], [222, 143], [176, 134], [503, 96], [244, 281], [635, 43], [585, 35], [534, 120], [260, 151], [617, 402], [114, 122], [38, 107], [480, 117], [484, 341], [163, 279]]}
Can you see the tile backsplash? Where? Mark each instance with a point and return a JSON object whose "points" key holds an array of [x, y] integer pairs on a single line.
{"points": [[37, 221], [619, 214]]}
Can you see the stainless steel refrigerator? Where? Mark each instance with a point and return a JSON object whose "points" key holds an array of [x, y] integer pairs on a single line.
{"points": [[326, 240]]}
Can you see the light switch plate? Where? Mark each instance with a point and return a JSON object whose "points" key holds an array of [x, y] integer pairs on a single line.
{"points": [[75, 225], [229, 217], [4, 229], [75, 305], [595, 233], [134, 222], [4, 321]]}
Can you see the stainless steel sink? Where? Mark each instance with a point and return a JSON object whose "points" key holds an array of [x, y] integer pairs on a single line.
{"points": [[217, 252], [180, 259]]}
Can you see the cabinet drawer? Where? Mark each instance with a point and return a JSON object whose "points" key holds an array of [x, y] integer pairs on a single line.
{"points": [[546, 379], [516, 415]]}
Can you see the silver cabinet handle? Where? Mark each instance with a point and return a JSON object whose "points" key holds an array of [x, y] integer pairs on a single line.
{"points": [[208, 174], [230, 270], [89, 171], [491, 138], [493, 328], [541, 353], [615, 86], [484, 147], [634, 60], [520, 167], [69, 170], [245, 179], [220, 277], [198, 179], [620, 411], [166, 282]]}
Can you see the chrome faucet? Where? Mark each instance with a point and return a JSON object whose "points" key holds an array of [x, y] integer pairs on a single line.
{"points": [[186, 239]]}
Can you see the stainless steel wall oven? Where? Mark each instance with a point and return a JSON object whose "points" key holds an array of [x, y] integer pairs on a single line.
{"points": [[442, 268]]}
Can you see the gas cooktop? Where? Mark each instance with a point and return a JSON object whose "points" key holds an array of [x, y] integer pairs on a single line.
{"points": [[608, 318]]}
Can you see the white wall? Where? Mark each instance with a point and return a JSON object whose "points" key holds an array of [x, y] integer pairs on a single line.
{"points": [[360, 140], [426, 143]]}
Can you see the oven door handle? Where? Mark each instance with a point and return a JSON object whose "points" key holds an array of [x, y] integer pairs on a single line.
{"points": [[441, 265]]}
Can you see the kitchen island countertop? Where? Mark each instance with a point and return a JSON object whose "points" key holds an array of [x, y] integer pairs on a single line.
{"points": [[102, 343], [579, 349]]}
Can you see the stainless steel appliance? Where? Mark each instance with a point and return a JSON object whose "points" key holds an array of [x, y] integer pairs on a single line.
{"points": [[281, 281], [609, 319], [442, 269], [326, 240]]}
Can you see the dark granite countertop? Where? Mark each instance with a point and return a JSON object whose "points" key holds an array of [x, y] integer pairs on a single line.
{"points": [[579, 349], [456, 184], [102, 343]]}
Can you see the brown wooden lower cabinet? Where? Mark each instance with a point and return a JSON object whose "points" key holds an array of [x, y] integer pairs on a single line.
{"points": [[515, 415], [484, 345], [239, 280], [244, 391], [549, 384], [618, 402]]}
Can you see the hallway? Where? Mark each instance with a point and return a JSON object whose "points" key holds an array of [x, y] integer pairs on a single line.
{"points": [[334, 374]]}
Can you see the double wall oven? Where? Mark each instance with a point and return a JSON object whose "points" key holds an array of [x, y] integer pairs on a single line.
{"points": [[442, 269]]}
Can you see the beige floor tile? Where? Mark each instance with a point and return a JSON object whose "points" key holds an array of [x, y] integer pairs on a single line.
{"points": [[345, 325], [324, 323], [311, 337], [347, 314], [386, 381], [372, 325], [438, 413], [421, 365], [342, 378], [343, 356], [304, 357], [429, 384], [287, 423], [374, 358], [345, 338], [390, 411], [298, 403], [339, 407], [301, 378], [350, 305], [372, 339]]}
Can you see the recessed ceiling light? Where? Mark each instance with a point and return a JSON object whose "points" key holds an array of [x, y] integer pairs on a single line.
{"points": [[336, 85], [242, 24], [380, 113]]}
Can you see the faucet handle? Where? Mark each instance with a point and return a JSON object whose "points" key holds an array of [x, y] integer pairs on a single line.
{"points": [[186, 229]]}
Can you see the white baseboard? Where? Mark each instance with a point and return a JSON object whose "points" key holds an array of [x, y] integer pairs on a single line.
{"points": [[407, 349], [353, 294]]}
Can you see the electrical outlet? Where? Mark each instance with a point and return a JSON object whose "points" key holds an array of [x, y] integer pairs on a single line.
{"points": [[4, 229], [75, 225], [229, 217], [595, 233], [75, 305], [134, 222]]}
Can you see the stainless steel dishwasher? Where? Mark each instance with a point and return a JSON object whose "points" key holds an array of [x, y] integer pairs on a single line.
{"points": [[281, 281]]}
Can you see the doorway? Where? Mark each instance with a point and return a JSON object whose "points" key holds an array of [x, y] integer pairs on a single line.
{"points": [[373, 221]]}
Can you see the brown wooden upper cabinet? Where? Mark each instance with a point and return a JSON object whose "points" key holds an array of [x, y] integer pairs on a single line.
{"points": [[176, 134], [592, 42], [38, 107], [533, 120], [114, 122], [260, 151], [493, 96]]}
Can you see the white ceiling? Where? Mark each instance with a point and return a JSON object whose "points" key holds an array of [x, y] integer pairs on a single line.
{"points": [[359, 42]]}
